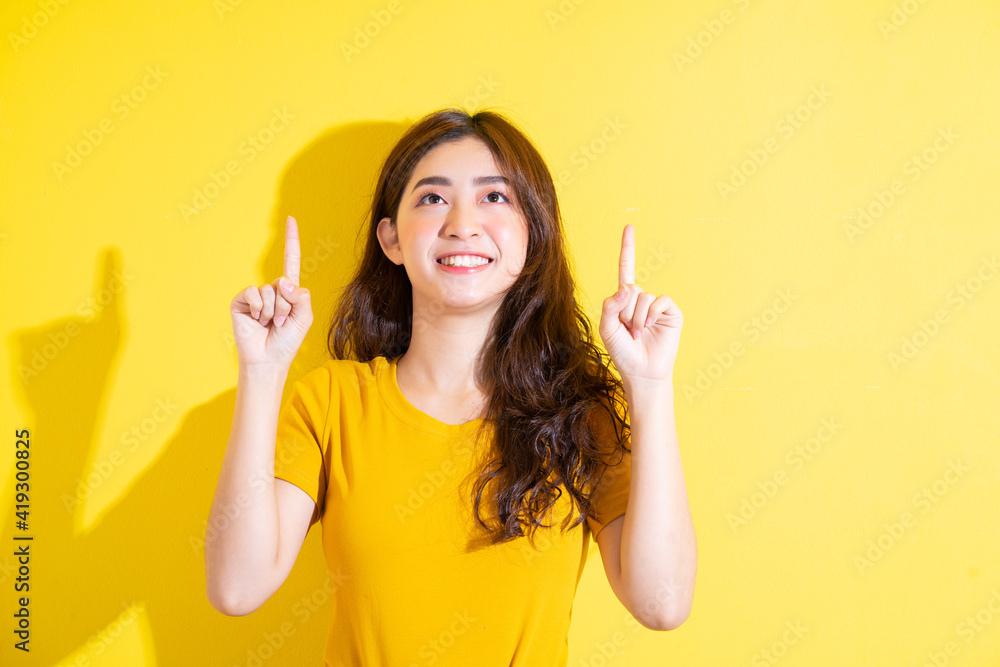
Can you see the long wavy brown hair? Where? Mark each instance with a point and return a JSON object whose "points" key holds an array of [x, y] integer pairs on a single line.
{"points": [[552, 397]]}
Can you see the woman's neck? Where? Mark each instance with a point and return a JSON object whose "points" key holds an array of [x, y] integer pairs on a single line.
{"points": [[444, 352]]}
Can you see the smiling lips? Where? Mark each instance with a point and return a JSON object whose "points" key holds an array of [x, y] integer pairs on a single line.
{"points": [[463, 260], [464, 263]]}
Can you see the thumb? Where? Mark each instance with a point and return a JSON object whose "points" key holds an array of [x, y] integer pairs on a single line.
{"points": [[612, 307], [292, 293]]}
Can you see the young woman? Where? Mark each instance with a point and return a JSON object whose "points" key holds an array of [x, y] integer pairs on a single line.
{"points": [[467, 438]]}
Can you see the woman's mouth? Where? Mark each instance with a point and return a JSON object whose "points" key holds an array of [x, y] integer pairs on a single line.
{"points": [[464, 264]]}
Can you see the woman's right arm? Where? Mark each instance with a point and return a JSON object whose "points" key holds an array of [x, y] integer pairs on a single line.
{"points": [[257, 523]]}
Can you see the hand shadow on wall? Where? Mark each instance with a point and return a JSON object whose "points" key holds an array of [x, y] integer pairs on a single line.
{"points": [[145, 547]]}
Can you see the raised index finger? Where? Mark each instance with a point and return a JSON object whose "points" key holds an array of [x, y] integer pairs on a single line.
{"points": [[626, 261], [292, 252]]}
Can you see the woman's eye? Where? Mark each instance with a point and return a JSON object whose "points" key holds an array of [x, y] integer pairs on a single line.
{"points": [[429, 194], [499, 194], [494, 197]]}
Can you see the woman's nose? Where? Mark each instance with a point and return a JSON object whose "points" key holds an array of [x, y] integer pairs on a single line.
{"points": [[462, 221]]}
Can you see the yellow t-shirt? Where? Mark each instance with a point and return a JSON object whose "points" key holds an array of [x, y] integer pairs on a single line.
{"points": [[392, 493]]}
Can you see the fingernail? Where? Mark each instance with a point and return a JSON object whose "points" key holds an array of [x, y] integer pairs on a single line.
{"points": [[286, 286], [278, 321], [649, 320], [621, 293]]}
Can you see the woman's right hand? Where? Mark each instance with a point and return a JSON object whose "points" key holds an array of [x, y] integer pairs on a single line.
{"points": [[270, 323]]}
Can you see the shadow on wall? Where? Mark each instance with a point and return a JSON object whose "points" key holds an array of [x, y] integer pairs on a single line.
{"points": [[147, 548]]}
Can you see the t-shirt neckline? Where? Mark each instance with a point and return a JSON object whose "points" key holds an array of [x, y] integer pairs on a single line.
{"points": [[389, 385]]}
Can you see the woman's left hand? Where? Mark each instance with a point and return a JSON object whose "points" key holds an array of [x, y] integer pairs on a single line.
{"points": [[640, 331]]}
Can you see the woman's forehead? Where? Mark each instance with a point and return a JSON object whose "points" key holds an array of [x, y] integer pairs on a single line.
{"points": [[455, 152]]}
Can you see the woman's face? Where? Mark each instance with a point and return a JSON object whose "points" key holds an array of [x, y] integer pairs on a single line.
{"points": [[457, 201]]}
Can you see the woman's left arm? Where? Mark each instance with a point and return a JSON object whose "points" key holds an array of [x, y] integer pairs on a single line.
{"points": [[650, 554], [658, 551]]}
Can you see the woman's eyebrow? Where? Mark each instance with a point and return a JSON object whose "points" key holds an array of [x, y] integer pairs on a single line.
{"points": [[441, 180]]}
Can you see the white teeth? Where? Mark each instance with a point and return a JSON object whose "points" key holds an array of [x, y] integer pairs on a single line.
{"points": [[464, 260]]}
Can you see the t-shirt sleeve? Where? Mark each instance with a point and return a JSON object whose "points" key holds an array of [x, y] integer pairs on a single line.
{"points": [[301, 444], [610, 498]]}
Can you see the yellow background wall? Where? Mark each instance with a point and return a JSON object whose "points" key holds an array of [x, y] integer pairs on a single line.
{"points": [[813, 183]]}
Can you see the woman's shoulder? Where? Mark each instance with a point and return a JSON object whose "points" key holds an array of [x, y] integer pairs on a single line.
{"points": [[343, 373]]}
